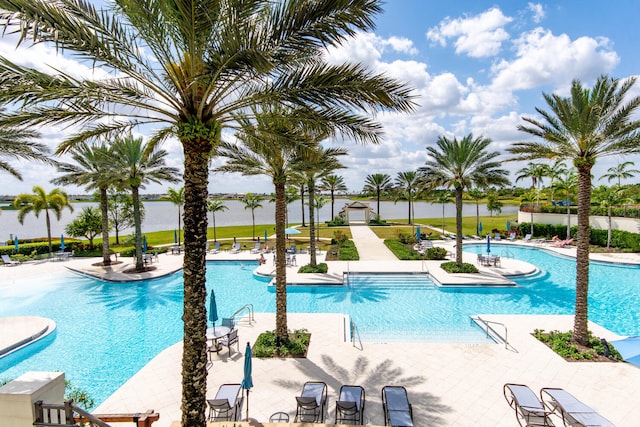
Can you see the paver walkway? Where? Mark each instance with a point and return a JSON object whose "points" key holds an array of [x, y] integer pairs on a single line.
{"points": [[370, 247]]}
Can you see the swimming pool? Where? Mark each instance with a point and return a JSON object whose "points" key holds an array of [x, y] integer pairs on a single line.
{"points": [[108, 331]]}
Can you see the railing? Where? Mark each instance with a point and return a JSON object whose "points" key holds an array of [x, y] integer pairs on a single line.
{"points": [[69, 414], [489, 329], [506, 253], [355, 334], [248, 308]]}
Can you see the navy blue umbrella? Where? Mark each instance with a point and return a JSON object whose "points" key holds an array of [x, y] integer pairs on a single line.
{"points": [[247, 381], [213, 309], [488, 243]]}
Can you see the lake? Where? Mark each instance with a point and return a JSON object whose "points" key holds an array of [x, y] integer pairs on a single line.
{"points": [[164, 216]]}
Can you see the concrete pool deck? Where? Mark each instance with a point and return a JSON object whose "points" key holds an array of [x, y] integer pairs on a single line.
{"points": [[448, 384]]}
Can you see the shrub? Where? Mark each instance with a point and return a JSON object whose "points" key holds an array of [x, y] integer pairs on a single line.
{"points": [[320, 268], [401, 250], [435, 253], [406, 238], [560, 342], [295, 346], [339, 238], [337, 221], [452, 267], [348, 251]]}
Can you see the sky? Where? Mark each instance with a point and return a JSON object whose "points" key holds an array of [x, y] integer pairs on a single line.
{"points": [[475, 66]]}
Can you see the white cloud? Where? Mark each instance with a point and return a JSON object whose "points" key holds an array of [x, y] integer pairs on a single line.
{"points": [[537, 10], [543, 58], [477, 36], [367, 48]]}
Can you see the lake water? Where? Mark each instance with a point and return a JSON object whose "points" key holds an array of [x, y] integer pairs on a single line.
{"points": [[164, 216]]}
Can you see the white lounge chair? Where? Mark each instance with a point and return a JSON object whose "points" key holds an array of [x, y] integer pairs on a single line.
{"points": [[8, 261], [527, 238], [497, 236], [216, 248], [529, 409], [512, 236], [256, 248], [235, 248], [396, 407], [350, 405], [573, 412], [227, 405], [311, 403]]}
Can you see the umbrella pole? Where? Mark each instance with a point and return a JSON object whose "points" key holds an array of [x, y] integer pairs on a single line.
{"points": [[247, 404]]}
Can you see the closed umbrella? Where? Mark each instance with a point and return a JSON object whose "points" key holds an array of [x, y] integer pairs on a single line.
{"points": [[488, 243], [175, 237], [144, 243], [418, 233], [247, 381], [62, 242], [16, 244], [265, 234], [629, 349], [213, 309], [480, 227], [508, 225]]}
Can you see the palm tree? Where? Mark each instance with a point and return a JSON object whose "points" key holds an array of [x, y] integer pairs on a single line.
{"points": [[377, 183], [529, 196], [535, 171], [177, 198], [461, 164], [314, 165], [555, 172], [408, 186], [92, 169], [567, 184], [589, 124], [17, 143], [56, 200], [608, 197], [319, 202], [134, 167], [333, 183], [186, 68], [252, 201], [214, 206], [477, 195], [270, 146], [443, 198], [620, 172]]}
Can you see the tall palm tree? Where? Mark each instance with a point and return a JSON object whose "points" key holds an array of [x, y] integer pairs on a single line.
{"points": [[588, 124], [567, 184], [535, 171], [17, 143], [608, 197], [92, 169], [314, 165], [214, 206], [477, 195], [530, 197], [378, 183], [443, 198], [319, 202], [252, 201], [186, 68], [135, 165], [56, 200], [409, 184], [461, 164], [333, 183], [270, 146], [177, 198], [620, 171], [555, 172]]}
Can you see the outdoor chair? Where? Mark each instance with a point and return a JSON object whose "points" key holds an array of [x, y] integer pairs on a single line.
{"points": [[216, 248], [228, 322], [396, 407], [528, 408], [291, 250], [8, 261], [235, 248], [256, 249], [311, 403], [350, 405], [230, 340], [227, 405], [574, 413], [497, 236], [476, 237], [512, 236], [527, 237]]}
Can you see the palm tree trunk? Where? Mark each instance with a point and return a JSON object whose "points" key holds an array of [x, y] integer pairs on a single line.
{"points": [[253, 221], [179, 225], [332, 202], [477, 217], [458, 226], [46, 212], [568, 219], [281, 267], [106, 256], [312, 227], [135, 195], [580, 326], [302, 202], [378, 199], [609, 228], [213, 217], [194, 352]]}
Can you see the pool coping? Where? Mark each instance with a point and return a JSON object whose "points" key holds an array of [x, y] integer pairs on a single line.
{"points": [[20, 331]]}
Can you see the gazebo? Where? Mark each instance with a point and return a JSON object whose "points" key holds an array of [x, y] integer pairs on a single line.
{"points": [[359, 207]]}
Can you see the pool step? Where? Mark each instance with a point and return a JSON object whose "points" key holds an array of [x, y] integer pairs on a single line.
{"points": [[392, 281]]}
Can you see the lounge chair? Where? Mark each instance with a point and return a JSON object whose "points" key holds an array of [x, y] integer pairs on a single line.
{"points": [[256, 249], [573, 412], [563, 243], [227, 405], [396, 407], [235, 248], [528, 408], [216, 248], [8, 261], [350, 405], [527, 237], [311, 403], [497, 236], [476, 237], [291, 250], [230, 340], [512, 236]]}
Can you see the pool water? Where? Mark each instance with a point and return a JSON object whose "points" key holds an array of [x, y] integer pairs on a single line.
{"points": [[108, 331]]}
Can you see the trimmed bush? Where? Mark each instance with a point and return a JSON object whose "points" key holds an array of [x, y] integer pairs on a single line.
{"points": [[296, 346], [401, 250], [348, 251], [320, 268], [435, 253], [560, 342], [452, 267]]}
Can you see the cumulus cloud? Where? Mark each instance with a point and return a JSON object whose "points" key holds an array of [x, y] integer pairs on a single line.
{"points": [[477, 36], [368, 48], [537, 10], [543, 58]]}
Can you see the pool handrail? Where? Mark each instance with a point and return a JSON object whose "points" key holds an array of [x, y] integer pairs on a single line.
{"points": [[249, 309]]}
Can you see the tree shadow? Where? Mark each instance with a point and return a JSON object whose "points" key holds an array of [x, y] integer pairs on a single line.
{"points": [[136, 296]]}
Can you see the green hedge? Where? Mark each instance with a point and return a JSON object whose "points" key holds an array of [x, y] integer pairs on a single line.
{"points": [[348, 251], [36, 248], [595, 210], [620, 239]]}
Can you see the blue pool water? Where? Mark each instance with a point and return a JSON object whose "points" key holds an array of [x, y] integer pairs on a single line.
{"points": [[108, 331]]}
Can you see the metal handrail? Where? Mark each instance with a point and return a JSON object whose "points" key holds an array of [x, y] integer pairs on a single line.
{"points": [[354, 333], [249, 309], [489, 328]]}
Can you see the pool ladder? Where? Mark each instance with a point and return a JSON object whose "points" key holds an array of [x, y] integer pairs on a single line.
{"points": [[491, 332], [355, 335], [247, 309]]}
